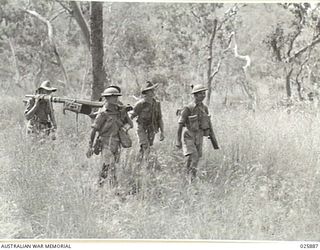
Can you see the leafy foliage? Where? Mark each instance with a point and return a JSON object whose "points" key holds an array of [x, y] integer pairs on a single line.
{"points": [[262, 185]]}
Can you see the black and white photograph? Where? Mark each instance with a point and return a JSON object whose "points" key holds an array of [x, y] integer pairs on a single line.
{"points": [[160, 121]]}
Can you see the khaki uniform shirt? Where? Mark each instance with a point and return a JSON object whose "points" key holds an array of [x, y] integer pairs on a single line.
{"points": [[149, 114], [190, 118], [109, 121], [41, 119], [193, 109]]}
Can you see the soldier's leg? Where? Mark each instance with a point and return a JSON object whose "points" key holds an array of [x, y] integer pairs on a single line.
{"points": [[151, 155], [191, 152], [144, 150], [151, 135], [192, 165], [107, 163], [196, 157], [113, 177], [144, 143], [115, 149], [104, 171], [188, 164]]}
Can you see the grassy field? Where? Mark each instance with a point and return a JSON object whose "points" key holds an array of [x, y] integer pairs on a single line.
{"points": [[262, 185]]}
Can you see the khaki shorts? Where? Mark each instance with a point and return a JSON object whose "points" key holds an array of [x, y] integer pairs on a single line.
{"points": [[110, 150], [192, 142], [146, 136]]}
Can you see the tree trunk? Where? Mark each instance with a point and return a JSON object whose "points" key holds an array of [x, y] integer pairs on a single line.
{"points": [[81, 22], [96, 24], [299, 89], [288, 84], [209, 72]]}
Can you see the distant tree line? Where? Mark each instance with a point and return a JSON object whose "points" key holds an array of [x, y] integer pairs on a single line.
{"points": [[256, 52]]}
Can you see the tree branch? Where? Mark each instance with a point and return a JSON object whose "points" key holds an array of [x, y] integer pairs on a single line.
{"points": [[229, 42], [299, 87], [56, 15], [302, 50], [228, 14], [51, 41], [246, 84], [200, 21], [293, 40], [196, 16], [77, 13], [213, 34], [64, 6], [246, 57], [217, 68], [41, 18]]}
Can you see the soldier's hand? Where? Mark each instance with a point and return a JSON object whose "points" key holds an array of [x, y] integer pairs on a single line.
{"points": [[38, 98], [89, 152], [53, 136], [161, 136], [179, 144]]}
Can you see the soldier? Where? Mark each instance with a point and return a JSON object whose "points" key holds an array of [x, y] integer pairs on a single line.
{"points": [[194, 117], [39, 112], [149, 119], [111, 118]]}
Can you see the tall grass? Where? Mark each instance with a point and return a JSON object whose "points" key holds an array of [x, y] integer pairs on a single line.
{"points": [[262, 185]]}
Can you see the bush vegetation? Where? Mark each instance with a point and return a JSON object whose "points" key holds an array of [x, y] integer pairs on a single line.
{"points": [[262, 185]]}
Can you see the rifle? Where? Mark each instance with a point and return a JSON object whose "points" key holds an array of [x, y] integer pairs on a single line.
{"points": [[212, 137], [77, 105]]}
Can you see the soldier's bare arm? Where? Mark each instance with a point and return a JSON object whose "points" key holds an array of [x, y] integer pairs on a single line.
{"points": [[161, 125], [92, 136], [182, 121], [32, 107], [136, 110], [179, 134]]}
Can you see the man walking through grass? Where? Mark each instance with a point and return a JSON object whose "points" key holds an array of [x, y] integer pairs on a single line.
{"points": [[39, 112], [111, 120], [149, 119], [195, 119]]}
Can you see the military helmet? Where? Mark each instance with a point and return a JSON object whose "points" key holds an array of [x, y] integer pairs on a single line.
{"points": [[112, 91], [198, 88]]}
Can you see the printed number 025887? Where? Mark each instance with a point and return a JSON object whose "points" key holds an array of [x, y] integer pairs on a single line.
{"points": [[308, 245]]}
